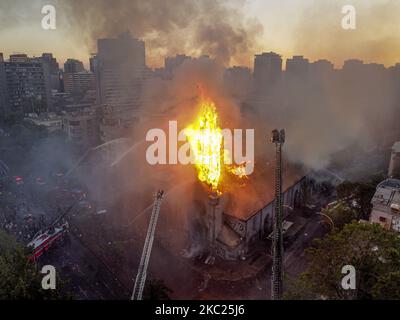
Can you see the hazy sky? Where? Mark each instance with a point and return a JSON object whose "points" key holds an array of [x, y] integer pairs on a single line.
{"points": [[306, 27]]}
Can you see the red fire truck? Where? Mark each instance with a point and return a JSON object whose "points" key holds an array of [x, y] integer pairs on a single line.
{"points": [[44, 240]]}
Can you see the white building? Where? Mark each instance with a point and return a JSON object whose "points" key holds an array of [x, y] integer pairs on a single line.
{"points": [[386, 205], [50, 121], [81, 127]]}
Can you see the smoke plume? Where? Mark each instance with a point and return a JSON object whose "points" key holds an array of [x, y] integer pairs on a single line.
{"points": [[215, 28]]}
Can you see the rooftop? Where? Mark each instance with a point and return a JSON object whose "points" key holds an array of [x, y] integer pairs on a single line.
{"points": [[387, 195], [257, 191]]}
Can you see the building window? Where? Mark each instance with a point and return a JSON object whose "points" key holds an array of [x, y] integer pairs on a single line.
{"points": [[382, 219]]}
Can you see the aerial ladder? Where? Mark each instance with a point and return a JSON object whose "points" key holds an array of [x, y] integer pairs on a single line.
{"points": [[148, 244], [278, 138]]}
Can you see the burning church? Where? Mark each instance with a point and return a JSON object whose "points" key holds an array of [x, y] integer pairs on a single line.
{"points": [[213, 208], [231, 211], [224, 228]]}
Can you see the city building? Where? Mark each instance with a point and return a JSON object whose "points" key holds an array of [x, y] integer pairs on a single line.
{"points": [[321, 69], [3, 88], [93, 63], [27, 85], [50, 121], [79, 82], [73, 66], [172, 63], [121, 63], [238, 81], [297, 83], [54, 71], [386, 205], [297, 66], [120, 71], [267, 72], [353, 66], [81, 127], [116, 123], [394, 166]]}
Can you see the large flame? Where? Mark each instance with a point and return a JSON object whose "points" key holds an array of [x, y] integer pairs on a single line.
{"points": [[205, 138], [239, 170], [206, 142]]}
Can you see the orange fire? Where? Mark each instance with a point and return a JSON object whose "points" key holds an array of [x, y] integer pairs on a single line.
{"points": [[205, 138], [239, 170], [206, 142]]}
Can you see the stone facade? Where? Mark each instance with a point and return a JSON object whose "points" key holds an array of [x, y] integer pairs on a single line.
{"points": [[238, 236]]}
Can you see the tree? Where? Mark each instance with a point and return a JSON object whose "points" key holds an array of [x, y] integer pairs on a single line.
{"points": [[156, 290], [341, 214], [372, 250], [362, 192], [19, 278]]}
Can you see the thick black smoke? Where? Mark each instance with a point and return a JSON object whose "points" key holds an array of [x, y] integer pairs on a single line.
{"points": [[216, 28]]}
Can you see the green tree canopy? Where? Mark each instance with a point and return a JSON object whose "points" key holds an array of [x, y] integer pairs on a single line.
{"points": [[372, 250], [19, 278], [362, 192], [341, 214]]}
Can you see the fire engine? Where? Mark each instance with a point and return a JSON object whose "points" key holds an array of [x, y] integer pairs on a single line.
{"points": [[44, 240], [57, 231]]}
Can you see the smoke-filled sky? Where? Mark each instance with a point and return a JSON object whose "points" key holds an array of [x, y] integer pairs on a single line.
{"points": [[231, 31]]}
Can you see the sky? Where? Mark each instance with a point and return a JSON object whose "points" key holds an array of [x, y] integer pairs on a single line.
{"points": [[289, 27]]}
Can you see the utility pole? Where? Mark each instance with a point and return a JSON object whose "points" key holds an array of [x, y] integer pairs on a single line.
{"points": [[148, 244], [278, 138]]}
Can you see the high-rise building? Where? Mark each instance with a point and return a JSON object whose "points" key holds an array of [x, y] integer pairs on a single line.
{"points": [[297, 66], [321, 68], [54, 71], [73, 66], [27, 83], [93, 63], [353, 66], [172, 63], [267, 72], [121, 69], [51, 61], [297, 82], [121, 63], [237, 81]]}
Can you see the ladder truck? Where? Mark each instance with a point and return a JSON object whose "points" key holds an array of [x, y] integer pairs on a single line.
{"points": [[140, 281], [278, 138]]}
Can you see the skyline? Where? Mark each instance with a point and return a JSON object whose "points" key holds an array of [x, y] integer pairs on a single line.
{"points": [[374, 40], [285, 59], [253, 128]]}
